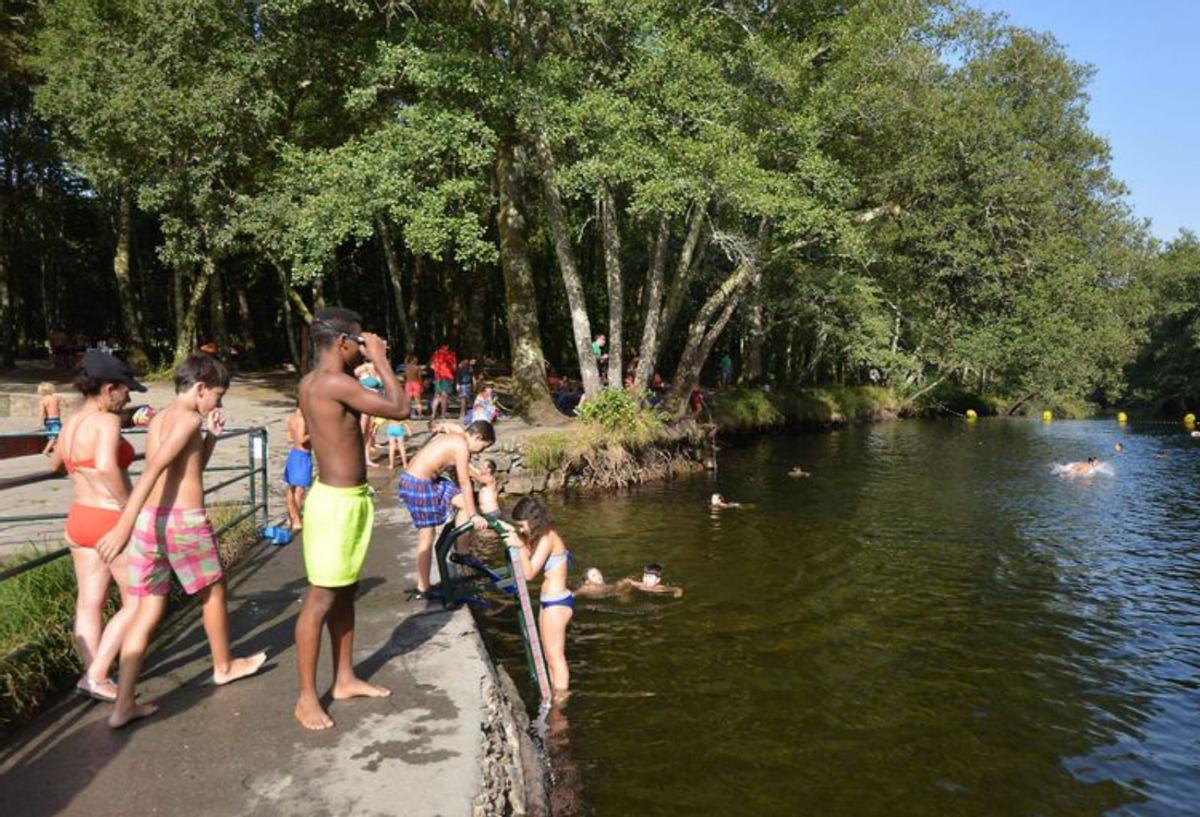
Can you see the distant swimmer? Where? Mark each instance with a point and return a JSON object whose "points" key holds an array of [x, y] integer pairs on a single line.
{"points": [[1118, 448], [798, 472], [719, 503], [1083, 469]]}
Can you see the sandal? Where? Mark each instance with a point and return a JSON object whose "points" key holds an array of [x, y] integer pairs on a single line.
{"points": [[94, 690]]}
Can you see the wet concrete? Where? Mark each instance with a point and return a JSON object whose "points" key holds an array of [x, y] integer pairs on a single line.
{"points": [[237, 750]]}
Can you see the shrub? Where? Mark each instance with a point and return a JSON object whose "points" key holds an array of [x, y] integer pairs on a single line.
{"points": [[544, 452]]}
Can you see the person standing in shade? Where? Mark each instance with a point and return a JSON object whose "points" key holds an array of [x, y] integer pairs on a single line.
{"points": [[726, 371]]}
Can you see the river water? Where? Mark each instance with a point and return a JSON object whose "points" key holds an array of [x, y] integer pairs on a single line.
{"points": [[932, 623]]}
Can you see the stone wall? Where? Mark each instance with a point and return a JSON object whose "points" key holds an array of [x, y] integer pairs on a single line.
{"points": [[513, 770]]}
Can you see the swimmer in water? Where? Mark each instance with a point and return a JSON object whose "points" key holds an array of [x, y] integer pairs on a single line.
{"points": [[1118, 448], [1080, 469], [718, 503], [651, 582], [595, 587]]}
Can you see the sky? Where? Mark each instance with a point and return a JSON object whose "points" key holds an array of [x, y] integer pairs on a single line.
{"points": [[1145, 97]]}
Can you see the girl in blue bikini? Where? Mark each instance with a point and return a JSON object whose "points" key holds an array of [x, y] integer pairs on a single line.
{"points": [[542, 549]]}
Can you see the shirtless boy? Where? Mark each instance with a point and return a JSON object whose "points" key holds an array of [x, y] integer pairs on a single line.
{"points": [[489, 492], [339, 511], [298, 470], [171, 532], [430, 497]]}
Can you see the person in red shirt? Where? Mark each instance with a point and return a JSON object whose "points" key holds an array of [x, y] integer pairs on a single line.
{"points": [[444, 364]]}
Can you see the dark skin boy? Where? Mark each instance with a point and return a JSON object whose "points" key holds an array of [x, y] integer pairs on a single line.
{"points": [[333, 403]]}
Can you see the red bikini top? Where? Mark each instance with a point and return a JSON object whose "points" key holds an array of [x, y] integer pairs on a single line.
{"points": [[125, 455]]}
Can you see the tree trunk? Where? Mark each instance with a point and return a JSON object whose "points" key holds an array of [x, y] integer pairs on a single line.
{"points": [[616, 287], [703, 332], [298, 302], [752, 369], [679, 284], [135, 338], [414, 314], [396, 276], [216, 312], [528, 362], [249, 348], [556, 216], [652, 306], [185, 339], [179, 285], [289, 330]]}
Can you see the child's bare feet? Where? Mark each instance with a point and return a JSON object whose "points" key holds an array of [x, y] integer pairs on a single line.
{"points": [[239, 668], [358, 688], [310, 714], [120, 717]]}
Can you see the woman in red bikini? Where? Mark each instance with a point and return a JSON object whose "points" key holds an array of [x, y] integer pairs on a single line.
{"points": [[97, 458]]}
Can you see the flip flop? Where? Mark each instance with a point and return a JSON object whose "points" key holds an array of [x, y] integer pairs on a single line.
{"points": [[91, 689]]}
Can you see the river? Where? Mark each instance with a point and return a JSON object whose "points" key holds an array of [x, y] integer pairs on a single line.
{"points": [[932, 623]]}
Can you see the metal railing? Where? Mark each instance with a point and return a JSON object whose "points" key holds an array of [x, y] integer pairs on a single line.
{"points": [[254, 471]]}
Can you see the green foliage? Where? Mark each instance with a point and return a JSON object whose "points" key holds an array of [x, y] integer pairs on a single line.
{"points": [[545, 452], [745, 410], [616, 410], [1166, 373]]}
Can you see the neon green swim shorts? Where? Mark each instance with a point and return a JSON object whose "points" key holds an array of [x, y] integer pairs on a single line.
{"points": [[337, 532]]}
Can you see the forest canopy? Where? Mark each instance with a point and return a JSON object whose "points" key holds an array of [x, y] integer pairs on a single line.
{"points": [[898, 192]]}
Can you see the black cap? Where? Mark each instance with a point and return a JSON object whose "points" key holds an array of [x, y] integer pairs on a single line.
{"points": [[110, 369]]}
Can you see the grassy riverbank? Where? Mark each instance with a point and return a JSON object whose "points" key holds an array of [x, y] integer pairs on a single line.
{"points": [[37, 653], [746, 409]]}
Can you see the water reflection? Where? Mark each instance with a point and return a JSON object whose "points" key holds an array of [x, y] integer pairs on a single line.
{"points": [[931, 623]]}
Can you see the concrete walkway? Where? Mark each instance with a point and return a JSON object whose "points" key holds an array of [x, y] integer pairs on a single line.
{"points": [[237, 750]]}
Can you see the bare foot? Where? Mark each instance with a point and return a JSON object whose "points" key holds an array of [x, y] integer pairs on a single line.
{"points": [[240, 668], [358, 688], [310, 714], [121, 717]]}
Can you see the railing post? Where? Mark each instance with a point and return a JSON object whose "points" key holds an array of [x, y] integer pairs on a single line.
{"points": [[266, 495], [250, 452]]}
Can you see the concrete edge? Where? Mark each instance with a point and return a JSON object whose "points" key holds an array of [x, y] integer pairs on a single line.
{"points": [[513, 773]]}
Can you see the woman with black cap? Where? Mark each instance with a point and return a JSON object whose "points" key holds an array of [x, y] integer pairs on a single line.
{"points": [[97, 458]]}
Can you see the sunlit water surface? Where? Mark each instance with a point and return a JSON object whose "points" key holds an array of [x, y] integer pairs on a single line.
{"points": [[932, 623]]}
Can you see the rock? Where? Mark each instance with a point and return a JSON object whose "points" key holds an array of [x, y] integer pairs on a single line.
{"points": [[518, 485], [556, 480], [538, 480]]}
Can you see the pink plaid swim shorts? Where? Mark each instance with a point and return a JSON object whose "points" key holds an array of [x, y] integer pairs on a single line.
{"points": [[166, 539]]}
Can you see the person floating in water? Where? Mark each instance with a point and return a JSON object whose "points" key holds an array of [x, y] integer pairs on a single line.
{"points": [[595, 587], [1083, 469], [798, 472], [719, 503]]}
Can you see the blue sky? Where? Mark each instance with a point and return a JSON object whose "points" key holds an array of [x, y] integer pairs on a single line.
{"points": [[1145, 95]]}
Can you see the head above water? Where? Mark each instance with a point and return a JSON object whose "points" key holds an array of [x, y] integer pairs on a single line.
{"points": [[1091, 460], [652, 574], [717, 499], [593, 576]]}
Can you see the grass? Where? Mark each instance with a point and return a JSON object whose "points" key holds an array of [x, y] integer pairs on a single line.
{"points": [[743, 409], [37, 651]]}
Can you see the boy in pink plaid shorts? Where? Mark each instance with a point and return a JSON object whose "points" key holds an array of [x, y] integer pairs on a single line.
{"points": [[171, 532]]}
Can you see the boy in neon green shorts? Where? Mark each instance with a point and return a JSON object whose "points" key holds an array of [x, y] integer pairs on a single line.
{"points": [[339, 511]]}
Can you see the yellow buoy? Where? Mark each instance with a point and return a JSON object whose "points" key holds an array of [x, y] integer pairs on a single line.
{"points": [[1121, 418], [971, 415], [1189, 419], [1047, 416]]}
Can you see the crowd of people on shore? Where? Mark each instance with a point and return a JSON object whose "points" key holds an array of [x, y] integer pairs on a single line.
{"points": [[140, 535]]}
